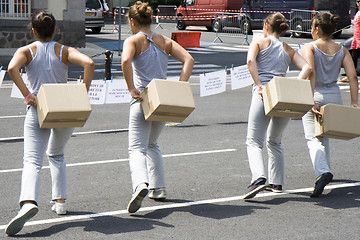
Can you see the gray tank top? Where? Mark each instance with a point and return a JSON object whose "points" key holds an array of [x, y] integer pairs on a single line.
{"points": [[327, 69], [45, 66], [272, 61], [150, 64]]}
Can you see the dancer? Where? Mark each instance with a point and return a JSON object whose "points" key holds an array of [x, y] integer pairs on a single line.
{"points": [[326, 58], [268, 57], [145, 57], [45, 61]]}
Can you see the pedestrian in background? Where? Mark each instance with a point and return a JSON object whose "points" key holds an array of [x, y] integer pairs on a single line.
{"points": [[145, 57], [355, 44], [326, 58], [45, 61], [268, 57]]}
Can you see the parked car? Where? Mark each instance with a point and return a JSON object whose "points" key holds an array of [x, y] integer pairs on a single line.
{"points": [[255, 11], [205, 9], [94, 15]]}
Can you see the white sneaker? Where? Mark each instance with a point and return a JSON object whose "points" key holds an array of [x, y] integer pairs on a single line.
{"points": [[59, 208], [157, 194], [137, 197], [27, 211]]}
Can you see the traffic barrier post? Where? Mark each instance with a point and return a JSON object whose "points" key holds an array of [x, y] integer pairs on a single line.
{"points": [[300, 21], [228, 24], [187, 39]]}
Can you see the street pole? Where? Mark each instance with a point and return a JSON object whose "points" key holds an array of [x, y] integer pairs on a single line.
{"points": [[119, 47]]}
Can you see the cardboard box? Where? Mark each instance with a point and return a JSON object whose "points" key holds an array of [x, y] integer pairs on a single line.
{"points": [[340, 122], [167, 101], [287, 97], [63, 105]]}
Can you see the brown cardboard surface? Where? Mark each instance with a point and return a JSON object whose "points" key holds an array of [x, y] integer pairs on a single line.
{"points": [[287, 97], [167, 101], [338, 121], [63, 105]]}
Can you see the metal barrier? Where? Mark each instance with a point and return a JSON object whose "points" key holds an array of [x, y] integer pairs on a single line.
{"points": [[230, 25], [300, 21], [15, 8], [164, 10]]}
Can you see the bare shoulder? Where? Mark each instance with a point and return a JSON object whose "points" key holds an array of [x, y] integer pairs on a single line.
{"points": [[287, 47], [308, 47], [163, 42], [262, 43], [158, 38], [25, 49], [134, 39]]}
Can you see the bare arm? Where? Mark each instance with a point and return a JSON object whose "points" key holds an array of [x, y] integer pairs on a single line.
{"points": [[299, 62], [129, 50], [350, 71], [75, 57], [20, 59], [308, 54], [183, 56], [254, 50]]}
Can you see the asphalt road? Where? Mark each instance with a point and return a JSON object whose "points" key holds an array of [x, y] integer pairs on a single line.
{"points": [[206, 169]]}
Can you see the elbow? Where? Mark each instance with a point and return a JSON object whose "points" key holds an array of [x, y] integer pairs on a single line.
{"points": [[12, 69], [249, 62], [353, 78], [125, 61], [191, 61], [308, 70], [90, 64]]}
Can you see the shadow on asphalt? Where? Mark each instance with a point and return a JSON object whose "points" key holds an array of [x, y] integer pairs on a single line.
{"points": [[106, 225], [211, 211], [339, 198]]}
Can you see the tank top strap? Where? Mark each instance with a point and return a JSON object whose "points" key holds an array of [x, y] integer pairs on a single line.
{"points": [[147, 36], [31, 52], [61, 50]]}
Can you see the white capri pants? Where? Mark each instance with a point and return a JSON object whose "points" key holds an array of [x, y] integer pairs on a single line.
{"points": [[36, 141], [319, 147], [146, 161], [260, 125]]}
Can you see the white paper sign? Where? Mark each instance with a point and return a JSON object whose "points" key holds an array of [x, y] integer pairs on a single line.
{"points": [[212, 83], [97, 92], [2, 75], [117, 92], [240, 77], [15, 92], [175, 79]]}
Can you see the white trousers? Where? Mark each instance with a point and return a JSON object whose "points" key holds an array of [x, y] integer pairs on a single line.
{"points": [[319, 147], [36, 141], [146, 161], [260, 125]]}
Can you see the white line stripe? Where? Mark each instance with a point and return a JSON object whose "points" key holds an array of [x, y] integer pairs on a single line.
{"points": [[5, 117], [74, 134], [178, 205], [126, 159]]}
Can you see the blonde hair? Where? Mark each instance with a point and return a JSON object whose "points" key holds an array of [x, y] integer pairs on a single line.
{"points": [[141, 13], [277, 22]]}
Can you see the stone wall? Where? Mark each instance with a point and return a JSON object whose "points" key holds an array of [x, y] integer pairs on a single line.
{"points": [[15, 33]]}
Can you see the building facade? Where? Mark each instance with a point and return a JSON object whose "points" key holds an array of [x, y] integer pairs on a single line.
{"points": [[15, 17]]}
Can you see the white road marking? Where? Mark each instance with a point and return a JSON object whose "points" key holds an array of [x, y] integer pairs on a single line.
{"points": [[179, 205], [126, 159], [74, 134], [17, 116]]}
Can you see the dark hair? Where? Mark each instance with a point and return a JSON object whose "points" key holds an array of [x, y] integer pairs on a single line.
{"points": [[44, 24], [141, 13], [277, 22], [326, 22]]}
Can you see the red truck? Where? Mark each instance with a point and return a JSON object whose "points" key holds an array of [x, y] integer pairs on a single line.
{"points": [[203, 12]]}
